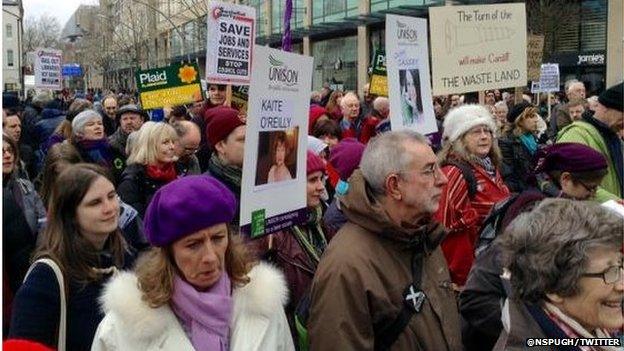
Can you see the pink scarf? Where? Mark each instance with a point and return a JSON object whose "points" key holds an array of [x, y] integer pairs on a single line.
{"points": [[205, 316]]}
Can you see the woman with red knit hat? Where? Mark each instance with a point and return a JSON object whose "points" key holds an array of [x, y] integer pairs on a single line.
{"points": [[297, 251]]}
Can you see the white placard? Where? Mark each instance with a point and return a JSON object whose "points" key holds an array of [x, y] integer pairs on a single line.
{"points": [[230, 43], [478, 47], [48, 69], [549, 77], [407, 63], [273, 191]]}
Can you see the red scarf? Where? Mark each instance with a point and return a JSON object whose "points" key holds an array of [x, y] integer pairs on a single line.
{"points": [[165, 174]]}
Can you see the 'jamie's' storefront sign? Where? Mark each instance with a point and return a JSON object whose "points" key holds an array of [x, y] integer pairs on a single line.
{"points": [[594, 58]]}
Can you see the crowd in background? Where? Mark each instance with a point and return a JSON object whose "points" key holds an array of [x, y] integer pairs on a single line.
{"points": [[122, 233]]}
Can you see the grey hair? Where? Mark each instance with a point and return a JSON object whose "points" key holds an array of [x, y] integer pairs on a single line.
{"points": [[501, 104], [42, 99], [546, 256], [568, 84], [381, 102], [386, 154], [351, 96]]}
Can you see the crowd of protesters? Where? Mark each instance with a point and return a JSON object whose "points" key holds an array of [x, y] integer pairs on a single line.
{"points": [[122, 233]]}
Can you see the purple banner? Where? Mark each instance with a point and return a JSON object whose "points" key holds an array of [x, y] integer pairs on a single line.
{"points": [[287, 38]]}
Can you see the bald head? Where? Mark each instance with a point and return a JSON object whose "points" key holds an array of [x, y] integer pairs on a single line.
{"points": [[189, 138]]}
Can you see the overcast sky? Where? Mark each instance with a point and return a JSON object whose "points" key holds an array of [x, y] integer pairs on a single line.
{"points": [[61, 9]]}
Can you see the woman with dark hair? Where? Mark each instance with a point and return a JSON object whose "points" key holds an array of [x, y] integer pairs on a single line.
{"points": [[197, 289], [23, 217], [279, 151], [83, 240], [519, 146], [411, 101], [333, 105]]}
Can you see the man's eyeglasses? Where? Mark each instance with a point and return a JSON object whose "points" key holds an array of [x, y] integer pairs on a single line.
{"points": [[610, 275], [432, 171]]}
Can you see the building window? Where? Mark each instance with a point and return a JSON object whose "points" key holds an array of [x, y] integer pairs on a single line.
{"points": [[9, 31], [335, 63], [10, 58]]}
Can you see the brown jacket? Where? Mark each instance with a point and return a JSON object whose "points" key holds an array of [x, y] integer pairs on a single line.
{"points": [[362, 275]]}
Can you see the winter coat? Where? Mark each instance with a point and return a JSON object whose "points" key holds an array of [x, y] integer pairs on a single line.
{"points": [[585, 133], [118, 141], [188, 166], [23, 218], [519, 326], [50, 119], [30, 117], [463, 216], [485, 291], [136, 188], [258, 320], [36, 308], [359, 283], [518, 163]]}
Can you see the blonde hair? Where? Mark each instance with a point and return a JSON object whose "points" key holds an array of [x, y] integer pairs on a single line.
{"points": [[156, 269], [145, 148]]}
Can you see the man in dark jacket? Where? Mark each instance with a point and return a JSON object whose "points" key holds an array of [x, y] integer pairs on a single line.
{"points": [[386, 260], [130, 118]]}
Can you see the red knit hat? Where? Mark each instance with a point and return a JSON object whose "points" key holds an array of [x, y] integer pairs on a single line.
{"points": [[316, 112], [314, 163], [221, 121]]}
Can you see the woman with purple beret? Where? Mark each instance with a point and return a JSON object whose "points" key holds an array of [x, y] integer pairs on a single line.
{"points": [[197, 289]]}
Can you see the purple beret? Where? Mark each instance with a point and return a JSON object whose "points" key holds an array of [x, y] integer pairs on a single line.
{"points": [[186, 206], [346, 156], [569, 157]]}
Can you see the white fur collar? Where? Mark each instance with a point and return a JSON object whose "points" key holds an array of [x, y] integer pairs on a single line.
{"points": [[265, 294]]}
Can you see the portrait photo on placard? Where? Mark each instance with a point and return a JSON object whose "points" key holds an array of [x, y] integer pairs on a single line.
{"points": [[277, 156], [411, 99]]}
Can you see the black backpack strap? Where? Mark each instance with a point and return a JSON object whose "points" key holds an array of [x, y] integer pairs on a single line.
{"points": [[413, 299], [468, 175]]}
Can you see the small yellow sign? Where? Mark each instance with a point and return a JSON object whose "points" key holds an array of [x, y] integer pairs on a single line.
{"points": [[173, 96]]}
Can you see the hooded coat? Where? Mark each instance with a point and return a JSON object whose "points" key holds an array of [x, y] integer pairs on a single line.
{"points": [[258, 319], [359, 283]]}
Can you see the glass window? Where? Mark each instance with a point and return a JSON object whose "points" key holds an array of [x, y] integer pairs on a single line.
{"points": [[335, 62], [10, 58], [9, 31]]}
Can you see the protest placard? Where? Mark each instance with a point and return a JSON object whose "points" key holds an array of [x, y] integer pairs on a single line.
{"points": [[535, 50], [240, 97], [48, 69], [173, 85], [407, 62], [549, 77], [478, 47], [230, 43], [379, 78], [273, 191]]}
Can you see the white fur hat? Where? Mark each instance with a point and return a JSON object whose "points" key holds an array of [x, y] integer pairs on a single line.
{"points": [[461, 119]]}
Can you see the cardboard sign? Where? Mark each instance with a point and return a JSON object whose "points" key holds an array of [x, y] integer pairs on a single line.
{"points": [[230, 43], [549, 77], [240, 97], [535, 50], [48, 69], [173, 85], [407, 60], [478, 47], [379, 76], [273, 191]]}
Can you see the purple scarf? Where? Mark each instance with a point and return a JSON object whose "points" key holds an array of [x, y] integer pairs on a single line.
{"points": [[96, 151], [205, 316]]}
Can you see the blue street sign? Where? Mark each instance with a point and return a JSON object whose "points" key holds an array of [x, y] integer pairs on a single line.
{"points": [[72, 69]]}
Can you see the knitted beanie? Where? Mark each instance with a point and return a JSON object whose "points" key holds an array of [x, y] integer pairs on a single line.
{"points": [[612, 97], [314, 163], [569, 157], [461, 119], [346, 156], [221, 121], [185, 206]]}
